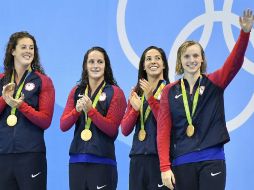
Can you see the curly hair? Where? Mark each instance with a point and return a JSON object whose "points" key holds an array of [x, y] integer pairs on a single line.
{"points": [[108, 73], [142, 73], [182, 49], [9, 59]]}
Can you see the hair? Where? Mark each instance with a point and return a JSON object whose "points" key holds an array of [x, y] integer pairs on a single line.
{"points": [[142, 73], [108, 73], [182, 49], [9, 58]]}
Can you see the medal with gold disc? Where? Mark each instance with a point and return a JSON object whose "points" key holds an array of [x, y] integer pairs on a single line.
{"points": [[87, 134], [12, 118], [142, 135], [190, 130], [142, 132]]}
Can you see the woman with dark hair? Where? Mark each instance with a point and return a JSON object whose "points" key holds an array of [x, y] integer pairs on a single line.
{"points": [[142, 114], [96, 106], [191, 123], [26, 110]]}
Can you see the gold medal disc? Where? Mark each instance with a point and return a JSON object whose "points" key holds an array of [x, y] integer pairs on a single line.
{"points": [[190, 130], [86, 135], [12, 120], [142, 135]]}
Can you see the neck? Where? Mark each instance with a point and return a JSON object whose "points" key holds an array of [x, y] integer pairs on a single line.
{"points": [[20, 70], [191, 78], [153, 81], [93, 84]]}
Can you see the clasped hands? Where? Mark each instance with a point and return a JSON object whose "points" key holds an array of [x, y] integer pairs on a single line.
{"points": [[7, 94]]}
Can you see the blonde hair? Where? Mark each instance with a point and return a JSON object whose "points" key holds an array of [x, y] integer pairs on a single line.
{"points": [[182, 49]]}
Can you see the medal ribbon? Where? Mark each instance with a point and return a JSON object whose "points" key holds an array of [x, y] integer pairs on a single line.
{"points": [[148, 109], [185, 101], [17, 96], [88, 119]]}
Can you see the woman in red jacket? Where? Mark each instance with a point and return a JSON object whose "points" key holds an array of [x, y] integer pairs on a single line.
{"points": [[191, 123], [96, 106], [26, 109], [142, 114]]}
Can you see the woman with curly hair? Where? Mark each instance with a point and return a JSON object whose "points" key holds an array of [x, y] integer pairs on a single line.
{"points": [[26, 110]]}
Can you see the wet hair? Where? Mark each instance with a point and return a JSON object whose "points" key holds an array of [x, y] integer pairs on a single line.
{"points": [[182, 49], [142, 73], [9, 58], [108, 73]]}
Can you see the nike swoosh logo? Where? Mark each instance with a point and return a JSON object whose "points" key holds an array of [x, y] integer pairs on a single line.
{"points": [[177, 96], [35, 175], [160, 185], [80, 95], [100, 187], [214, 174]]}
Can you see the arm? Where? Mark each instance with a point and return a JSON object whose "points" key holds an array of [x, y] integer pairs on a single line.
{"points": [[164, 125], [129, 120], [2, 104], [154, 105], [234, 62], [43, 117], [70, 114], [109, 124]]}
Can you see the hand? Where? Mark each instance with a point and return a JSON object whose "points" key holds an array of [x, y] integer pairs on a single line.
{"points": [[246, 21], [8, 91], [13, 102], [135, 101], [168, 179], [87, 104], [80, 104], [146, 87]]}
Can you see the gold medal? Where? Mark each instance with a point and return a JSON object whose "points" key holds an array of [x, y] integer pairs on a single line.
{"points": [[142, 135], [190, 130], [12, 120], [86, 135]]}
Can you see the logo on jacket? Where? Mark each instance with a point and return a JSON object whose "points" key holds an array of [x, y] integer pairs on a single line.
{"points": [[29, 86], [103, 96], [201, 90]]}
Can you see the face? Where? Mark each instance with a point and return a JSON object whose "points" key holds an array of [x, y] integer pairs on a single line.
{"points": [[24, 52], [95, 65], [153, 64], [191, 60]]}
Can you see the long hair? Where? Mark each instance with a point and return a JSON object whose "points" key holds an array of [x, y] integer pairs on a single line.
{"points": [[142, 73], [108, 73], [9, 58], [182, 49]]}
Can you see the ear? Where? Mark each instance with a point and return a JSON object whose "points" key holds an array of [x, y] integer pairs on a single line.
{"points": [[13, 52]]}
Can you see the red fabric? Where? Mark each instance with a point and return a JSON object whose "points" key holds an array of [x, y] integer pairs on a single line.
{"points": [[232, 65], [164, 125], [129, 120], [108, 125], [70, 114], [43, 117], [221, 77]]}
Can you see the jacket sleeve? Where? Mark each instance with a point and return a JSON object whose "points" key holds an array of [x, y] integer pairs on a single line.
{"points": [[109, 124], [70, 114], [129, 120], [164, 125], [233, 63], [43, 117]]}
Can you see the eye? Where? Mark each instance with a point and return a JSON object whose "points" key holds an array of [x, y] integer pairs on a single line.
{"points": [[31, 47], [91, 61], [157, 58], [186, 56], [100, 61], [148, 59]]}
